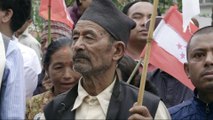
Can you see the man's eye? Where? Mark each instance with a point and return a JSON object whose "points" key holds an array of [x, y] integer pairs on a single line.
{"points": [[198, 55], [75, 38], [58, 67], [89, 37], [137, 17]]}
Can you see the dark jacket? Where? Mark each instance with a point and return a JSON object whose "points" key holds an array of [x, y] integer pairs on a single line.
{"points": [[193, 109], [122, 99], [170, 90]]}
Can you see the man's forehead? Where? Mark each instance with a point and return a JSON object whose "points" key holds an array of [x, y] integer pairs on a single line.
{"points": [[144, 6], [199, 40], [85, 25], [202, 38]]}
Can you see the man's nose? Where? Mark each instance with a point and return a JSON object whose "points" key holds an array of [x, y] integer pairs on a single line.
{"points": [[78, 44], [209, 59], [143, 21]]}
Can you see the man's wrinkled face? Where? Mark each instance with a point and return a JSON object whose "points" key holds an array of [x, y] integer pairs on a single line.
{"points": [[200, 62], [140, 12], [92, 48]]}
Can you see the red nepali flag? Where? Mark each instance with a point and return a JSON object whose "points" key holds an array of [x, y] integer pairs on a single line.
{"points": [[169, 46], [58, 11]]}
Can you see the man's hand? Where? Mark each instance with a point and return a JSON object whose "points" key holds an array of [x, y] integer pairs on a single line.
{"points": [[139, 112]]}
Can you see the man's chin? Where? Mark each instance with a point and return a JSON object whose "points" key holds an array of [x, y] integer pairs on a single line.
{"points": [[81, 68], [141, 40]]}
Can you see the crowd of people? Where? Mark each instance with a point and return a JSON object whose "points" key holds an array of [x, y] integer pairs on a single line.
{"points": [[82, 73]]}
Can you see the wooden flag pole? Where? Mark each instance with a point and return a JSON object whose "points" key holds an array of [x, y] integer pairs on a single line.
{"points": [[147, 54], [49, 22]]}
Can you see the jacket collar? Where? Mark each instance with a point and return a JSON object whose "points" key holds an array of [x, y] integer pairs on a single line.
{"points": [[115, 102], [68, 103], [208, 107]]}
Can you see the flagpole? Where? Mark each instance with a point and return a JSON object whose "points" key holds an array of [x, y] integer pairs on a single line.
{"points": [[134, 71], [49, 22], [147, 54]]}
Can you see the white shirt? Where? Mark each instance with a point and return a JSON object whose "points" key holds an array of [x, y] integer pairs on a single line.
{"points": [[12, 97], [92, 107], [32, 68], [28, 40], [162, 112]]}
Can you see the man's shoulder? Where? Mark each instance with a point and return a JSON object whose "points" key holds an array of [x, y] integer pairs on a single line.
{"points": [[150, 100], [61, 103], [25, 49], [135, 90], [12, 48], [128, 86], [51, 109], [28, 53], [29, 40], [30, 58], [181, 110], [59, 98]]}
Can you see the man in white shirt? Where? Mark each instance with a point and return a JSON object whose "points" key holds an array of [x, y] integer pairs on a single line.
{"points": [[27, 39], [13, 14], [32, 68], [32, 63]]}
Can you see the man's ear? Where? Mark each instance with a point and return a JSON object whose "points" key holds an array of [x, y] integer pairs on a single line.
{"points": [[186, 69], [119, 50], [46, 70], [7, 15]]}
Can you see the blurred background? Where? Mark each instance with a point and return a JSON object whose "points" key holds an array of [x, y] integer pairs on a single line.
{"points": [[204, 18]]}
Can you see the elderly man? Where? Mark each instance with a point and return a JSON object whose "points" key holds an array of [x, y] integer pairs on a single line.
{"points": [[199, 69], [99, 41]]}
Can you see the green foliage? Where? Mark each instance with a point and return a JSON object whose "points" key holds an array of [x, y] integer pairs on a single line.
{"points": [[121, 3], [37, 20], [69, 2], [165, 4]]}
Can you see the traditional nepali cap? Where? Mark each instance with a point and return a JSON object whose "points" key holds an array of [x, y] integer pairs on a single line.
{"points": [[105, 14], [57, 28]]}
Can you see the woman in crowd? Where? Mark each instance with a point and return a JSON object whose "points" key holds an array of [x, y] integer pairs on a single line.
{"points": [[58, 29], [58, 68]]}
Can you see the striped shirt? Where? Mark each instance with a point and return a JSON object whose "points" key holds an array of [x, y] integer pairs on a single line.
{"points": [[12, 93]]}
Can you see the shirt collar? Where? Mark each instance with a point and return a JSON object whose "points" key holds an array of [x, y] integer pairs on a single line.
{"points": [[103, 97], [82, 93], [14, 38], [24, 34]]}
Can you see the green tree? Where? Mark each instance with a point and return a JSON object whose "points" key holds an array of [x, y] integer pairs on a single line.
{"points": [[37, 20], [165, 4], [69, 2]]}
